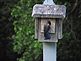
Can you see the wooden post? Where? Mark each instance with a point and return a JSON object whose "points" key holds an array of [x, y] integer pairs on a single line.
{"points": [[49, 51]]}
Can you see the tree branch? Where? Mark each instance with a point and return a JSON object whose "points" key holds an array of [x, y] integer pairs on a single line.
{"points": [[74, 7]]}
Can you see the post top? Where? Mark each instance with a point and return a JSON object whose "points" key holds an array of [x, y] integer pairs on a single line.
{"points": [[49, 11], [48, 2]]}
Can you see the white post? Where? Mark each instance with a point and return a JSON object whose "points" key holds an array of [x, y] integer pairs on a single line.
{"points": [[49, 49]]}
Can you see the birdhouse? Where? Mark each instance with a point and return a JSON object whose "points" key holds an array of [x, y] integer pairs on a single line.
{"points": [[48, 22]]}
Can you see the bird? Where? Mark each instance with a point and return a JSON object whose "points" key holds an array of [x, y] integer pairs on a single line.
{"points": [[47, 28]]}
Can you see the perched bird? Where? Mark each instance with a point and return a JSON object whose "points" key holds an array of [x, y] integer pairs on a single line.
{"points": [[47, 28]]}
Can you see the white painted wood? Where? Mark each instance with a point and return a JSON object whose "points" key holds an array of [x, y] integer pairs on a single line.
{"points": [[59, 28], [36, 28], [49, 2], [49, 51], [39, 28], [53, 31], [49, 11]]}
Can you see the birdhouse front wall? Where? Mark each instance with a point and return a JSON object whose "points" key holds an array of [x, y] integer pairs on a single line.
{"points": [[53, 33]]}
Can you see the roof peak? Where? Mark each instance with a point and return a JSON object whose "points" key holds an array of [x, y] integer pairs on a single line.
{"points": [[48, 2]]}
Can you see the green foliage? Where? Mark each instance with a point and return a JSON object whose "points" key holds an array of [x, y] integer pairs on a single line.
{"points": [[6, 30], [24, 31]]}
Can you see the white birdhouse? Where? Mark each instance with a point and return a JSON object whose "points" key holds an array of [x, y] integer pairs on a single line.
{"points": [[48, 22]]}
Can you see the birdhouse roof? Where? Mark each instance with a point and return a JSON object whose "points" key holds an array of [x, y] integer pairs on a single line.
{"points": [[49, 11]]}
